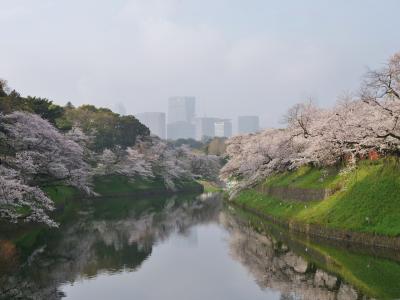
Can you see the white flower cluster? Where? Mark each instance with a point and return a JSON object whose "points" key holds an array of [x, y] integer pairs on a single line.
{"points": [[354, 128]]}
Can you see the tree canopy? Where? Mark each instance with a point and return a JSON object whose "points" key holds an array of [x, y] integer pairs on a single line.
{"points": [[351, 130], [107, 128]]}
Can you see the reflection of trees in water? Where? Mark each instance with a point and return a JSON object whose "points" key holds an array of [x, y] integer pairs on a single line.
{"points": [[275, 266], [89, 247], [150, 227]]}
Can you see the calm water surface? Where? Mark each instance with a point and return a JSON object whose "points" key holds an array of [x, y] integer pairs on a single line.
{"points": [[186, 247]]}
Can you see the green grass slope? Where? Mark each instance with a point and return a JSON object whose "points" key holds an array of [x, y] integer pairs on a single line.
{"points": [[115, 185], [367, 198], [306, 177], [209, 187]]}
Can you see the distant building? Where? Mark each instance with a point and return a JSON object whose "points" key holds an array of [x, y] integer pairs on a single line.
{"points": [[181, 109], [181, 114], [205, 127], [223, 128], [119, 108], [181, 130], [248, 124], [155, 121]]}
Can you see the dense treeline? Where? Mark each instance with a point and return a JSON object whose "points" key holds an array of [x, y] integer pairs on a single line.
{"points": [[213, 146], [44, 144], [358, 126], [106, 127]]}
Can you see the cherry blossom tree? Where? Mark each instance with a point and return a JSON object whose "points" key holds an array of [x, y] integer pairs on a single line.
{"points": [[38, 155], [129, 162], [323, 137], [17, 198], [381, 93], [168, 163], [154, 158], [39, 147], [205, 166]]}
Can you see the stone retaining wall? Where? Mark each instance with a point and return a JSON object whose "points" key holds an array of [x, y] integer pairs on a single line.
{"points": [[360, 238], [293, 193]]}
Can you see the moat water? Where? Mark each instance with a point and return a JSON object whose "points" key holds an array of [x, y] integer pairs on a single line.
{"points": [[185, 247]]}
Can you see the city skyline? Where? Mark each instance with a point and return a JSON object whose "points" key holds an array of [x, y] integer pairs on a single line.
{"points": [[181, 121], [192, 150], [155, 121], [245, 56]]}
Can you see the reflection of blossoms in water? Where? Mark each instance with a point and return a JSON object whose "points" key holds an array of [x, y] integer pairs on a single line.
{"points": [[273, 265], [89, 247], [107, 244], [152, 227]]}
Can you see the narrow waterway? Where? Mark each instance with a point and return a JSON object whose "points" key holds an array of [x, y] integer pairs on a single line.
{"points": [[186, 247]]}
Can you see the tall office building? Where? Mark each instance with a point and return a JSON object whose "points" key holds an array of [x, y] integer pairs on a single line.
{"points": [[223, 128], [181, 109], [205, 127], [181, 113], [181, 130], [119, 108], [155, 121], [248, 124]]}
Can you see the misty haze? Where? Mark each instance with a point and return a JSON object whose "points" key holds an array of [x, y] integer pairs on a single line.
{"points": [[181, 149]]}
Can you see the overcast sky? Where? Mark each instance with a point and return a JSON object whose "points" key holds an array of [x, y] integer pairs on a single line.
{"points": [[236, 56]]}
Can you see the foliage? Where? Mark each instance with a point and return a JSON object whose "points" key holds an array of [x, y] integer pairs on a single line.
{"points": [[151, 158], [205, 166], [21, 201], [129, 162], [169, 163], [367, 202], [13, 101], [36, 154], [46, 148], [306, 177], [192, 143], [216, 146], [354, 129], [122, 185], [106, 128], [209, 187]]}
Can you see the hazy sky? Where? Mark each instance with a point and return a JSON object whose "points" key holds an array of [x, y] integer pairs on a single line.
{"points": [[236, 57]]}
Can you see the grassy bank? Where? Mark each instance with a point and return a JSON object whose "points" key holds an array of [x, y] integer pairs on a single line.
{"points": [[209, 187], [69, 201], [115, 185], [61, 194], [366, 199]]}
